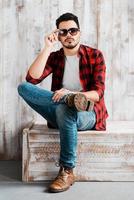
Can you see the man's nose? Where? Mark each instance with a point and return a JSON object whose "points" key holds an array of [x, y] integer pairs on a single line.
{"points": [[68, 33]]}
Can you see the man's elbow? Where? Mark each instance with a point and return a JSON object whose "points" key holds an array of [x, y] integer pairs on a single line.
{"points": [[30, 79]]}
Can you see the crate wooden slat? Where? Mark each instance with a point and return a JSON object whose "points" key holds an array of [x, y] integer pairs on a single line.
{"points": [[101, 155]]}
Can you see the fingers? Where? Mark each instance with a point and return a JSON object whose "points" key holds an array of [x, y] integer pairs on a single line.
{"points": [[57, 96], [53, 36], [56, 31]]}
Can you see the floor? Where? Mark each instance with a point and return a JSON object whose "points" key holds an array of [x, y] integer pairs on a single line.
{"points": [[12, 188]]}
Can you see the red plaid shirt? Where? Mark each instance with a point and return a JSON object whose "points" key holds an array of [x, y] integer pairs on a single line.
{"points": [[92, 77]]}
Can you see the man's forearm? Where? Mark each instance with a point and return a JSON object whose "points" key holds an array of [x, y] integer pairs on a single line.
{"points": [[37, 67]]}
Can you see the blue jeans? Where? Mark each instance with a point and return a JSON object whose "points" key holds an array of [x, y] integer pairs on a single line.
{"points": [[67, 120]]}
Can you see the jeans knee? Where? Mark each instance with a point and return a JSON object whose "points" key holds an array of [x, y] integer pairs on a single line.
{"points": [[22, 88]]}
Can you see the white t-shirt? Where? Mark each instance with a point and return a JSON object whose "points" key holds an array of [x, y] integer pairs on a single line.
{"points": [[71, 79]]}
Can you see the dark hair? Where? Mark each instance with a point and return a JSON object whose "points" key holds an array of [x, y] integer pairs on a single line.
{"points": [[66, 17]]}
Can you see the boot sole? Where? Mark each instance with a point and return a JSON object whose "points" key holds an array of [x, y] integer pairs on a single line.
{"points": [[82, 104], [61, 190]]}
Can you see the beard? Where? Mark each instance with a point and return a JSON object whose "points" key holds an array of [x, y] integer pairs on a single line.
{"points": [[70, 45]]}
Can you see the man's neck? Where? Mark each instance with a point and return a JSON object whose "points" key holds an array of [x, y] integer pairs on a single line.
{"points": [[71, 52]]}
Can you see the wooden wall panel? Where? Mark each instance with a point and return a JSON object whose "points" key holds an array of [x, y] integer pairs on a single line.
{"points": [[104, 40], [107, 25]]}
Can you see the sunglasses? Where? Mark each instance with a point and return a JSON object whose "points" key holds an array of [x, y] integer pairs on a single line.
{"points": [[72, 31]]}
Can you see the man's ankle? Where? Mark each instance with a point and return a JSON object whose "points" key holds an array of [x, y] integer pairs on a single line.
{"points": [[68, 168]]}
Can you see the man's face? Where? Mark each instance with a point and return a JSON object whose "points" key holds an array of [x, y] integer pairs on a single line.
{"points": [[70, 40]]}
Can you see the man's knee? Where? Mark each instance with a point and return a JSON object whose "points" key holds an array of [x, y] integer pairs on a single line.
{"points": [[22, 88]]}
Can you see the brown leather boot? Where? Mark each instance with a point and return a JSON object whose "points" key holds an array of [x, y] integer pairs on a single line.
{"points": [[63, 181], [69, 99]]}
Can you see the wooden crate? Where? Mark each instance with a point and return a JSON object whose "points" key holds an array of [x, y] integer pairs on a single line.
{"points": [[102, 155]]}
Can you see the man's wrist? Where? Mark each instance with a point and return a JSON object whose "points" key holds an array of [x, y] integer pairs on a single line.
{"points": [[47, 50], [67, 91]]}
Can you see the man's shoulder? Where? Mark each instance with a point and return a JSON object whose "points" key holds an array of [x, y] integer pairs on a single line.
{"points": [[89, 49]]}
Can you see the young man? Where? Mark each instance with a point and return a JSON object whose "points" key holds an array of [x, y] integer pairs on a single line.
{"points": [[76, 101]]}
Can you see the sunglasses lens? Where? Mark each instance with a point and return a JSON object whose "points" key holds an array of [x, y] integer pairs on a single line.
{"points": [[72, 31], [63, 32]]}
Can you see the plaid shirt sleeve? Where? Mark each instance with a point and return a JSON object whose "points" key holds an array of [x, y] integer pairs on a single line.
{"points": [[99, 75], [47, 70]]}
